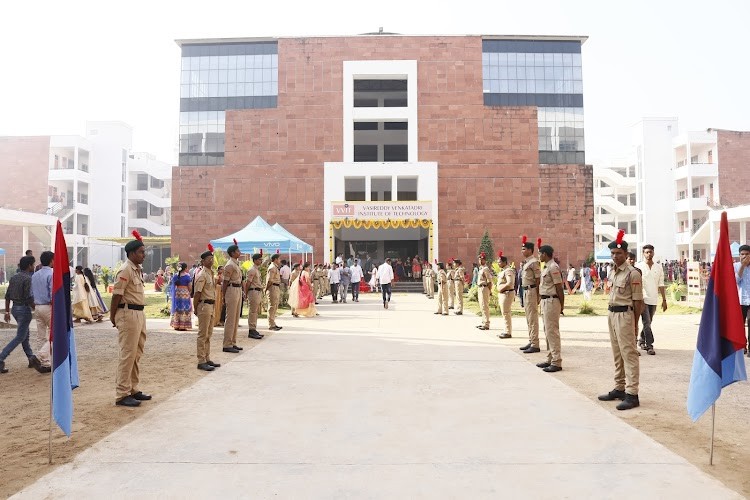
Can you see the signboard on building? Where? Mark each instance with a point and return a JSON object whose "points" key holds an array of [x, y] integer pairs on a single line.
{"points": [[381, 210]]}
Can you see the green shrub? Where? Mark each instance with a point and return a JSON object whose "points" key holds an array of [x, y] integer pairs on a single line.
{"points": [[586, 308]]}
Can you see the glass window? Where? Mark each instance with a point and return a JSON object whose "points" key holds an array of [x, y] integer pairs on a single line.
{"points": [[381, 188], [407, 188], [354, 189]]}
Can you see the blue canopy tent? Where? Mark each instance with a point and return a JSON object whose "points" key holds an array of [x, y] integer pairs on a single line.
{"points": [[296, 244], [256, 236]]}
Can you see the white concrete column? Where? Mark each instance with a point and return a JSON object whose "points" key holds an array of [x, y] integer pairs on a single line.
{"points": [[368, 187], [24, 239], [743, 233], [712, 247], [394, 188]]}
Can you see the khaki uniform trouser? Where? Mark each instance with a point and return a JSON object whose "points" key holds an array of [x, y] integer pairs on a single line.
{"points": [[531, 308], [484, 304], [459, 296], [233, 300], [424, 283], [622, 335], [43, 315], [205, 330], [506, 303], [451, 293], [131, 328], [551, 316], [316, 290], [284, 292], [431, 287], [442, 299], [253, 308], [273, 301]]}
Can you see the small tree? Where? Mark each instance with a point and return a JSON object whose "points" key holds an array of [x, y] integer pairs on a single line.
{"points": [[487, 247]]}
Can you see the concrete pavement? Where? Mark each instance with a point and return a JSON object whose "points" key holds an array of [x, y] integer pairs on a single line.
{"points": [[361, 402]]}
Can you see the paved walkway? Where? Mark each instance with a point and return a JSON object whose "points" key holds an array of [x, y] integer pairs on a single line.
{"points": [[367, 403]]}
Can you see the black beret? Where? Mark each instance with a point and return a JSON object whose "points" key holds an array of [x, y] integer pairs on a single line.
{"points": [[547, 249], [133, 245], [528, 245], [206, 254], [232, 248], [613, 244], [257, 256]]}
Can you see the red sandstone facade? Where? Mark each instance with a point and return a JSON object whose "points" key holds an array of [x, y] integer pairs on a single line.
{"points": [[488, 167]]}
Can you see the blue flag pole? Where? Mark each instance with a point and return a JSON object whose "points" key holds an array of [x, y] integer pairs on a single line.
{"points": [[49, 437]]}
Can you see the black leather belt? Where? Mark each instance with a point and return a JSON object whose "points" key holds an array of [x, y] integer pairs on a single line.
{"points": [[528, 286], [237, 285], [276, 284], [481, 284], [507, 291], [134, 307], [549, 296], [255, 289], [208, 301], [619, 309]]}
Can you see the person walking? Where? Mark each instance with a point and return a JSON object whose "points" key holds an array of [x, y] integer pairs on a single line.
{"points": [[303, 289], [506, 289], [254, 293], [345, 277], [625, 307], [127, 315], [374, 279], [20, 294], [484, 282], [204, 300], [442, 284], [96, 305], [653, 286], [285, 272], [356, 276], [273, 289], [742, 275], [294, 295], [458, 279], [553, 303], [530, 279], [385, 276], [334, 276], [231, 289], [41, 289]]}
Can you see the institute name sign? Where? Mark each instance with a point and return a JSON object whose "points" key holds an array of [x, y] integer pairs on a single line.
{"points": [[381, 210]]}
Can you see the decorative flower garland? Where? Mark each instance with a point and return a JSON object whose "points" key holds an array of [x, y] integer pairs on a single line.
{"points": [[381, 224]]}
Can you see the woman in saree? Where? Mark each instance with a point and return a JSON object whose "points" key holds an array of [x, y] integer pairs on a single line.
{"points": [[179, 292], [305, 298], [81, 309], [159, 281], [293, 300], [96, 304]]}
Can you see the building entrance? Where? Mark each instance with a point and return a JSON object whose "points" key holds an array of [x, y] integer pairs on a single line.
{"points": [[390, 239]]}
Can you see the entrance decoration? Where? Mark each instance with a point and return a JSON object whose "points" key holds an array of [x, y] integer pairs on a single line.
{"points": [[380, 224]]}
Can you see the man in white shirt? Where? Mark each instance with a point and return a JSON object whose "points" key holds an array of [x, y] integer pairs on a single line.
{"points": [[340, 258], [357, 274], [334, 277], [385, 275], [653, 285]]}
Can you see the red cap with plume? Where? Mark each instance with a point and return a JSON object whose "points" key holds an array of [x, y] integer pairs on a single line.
{"points": [[210, 248], [620, 236], [234, 240], [499, 254], [137, 235], [483, 255], [524, 239], [539, 243]]}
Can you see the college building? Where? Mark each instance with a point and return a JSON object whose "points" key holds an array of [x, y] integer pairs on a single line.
{"points": [[386, 144]]}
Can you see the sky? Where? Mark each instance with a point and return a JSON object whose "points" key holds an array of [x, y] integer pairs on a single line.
{"points": [[65, 63]]}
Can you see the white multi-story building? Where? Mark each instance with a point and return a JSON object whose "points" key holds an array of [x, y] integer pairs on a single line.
{"points": [[149, 195], [615, 201]]}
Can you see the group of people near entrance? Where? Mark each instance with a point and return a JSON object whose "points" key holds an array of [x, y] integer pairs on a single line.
{"points": [[634, 295]]}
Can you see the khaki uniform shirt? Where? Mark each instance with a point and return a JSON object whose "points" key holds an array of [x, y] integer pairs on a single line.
{"points": [[530, 272], [449, 274], [442, 277], [232, 272], [507, 277], [626, 286], [273, 276], [484, 277], [205, 284], [427, 272], [458, 274], [253, 278], [551, 276], [129, 283]]}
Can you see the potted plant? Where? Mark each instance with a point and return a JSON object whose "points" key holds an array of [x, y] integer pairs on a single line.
{"points": [[677, 290]]}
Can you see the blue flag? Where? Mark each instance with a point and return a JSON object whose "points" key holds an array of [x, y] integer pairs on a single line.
{"points": [[718, 360], [64, 360]]}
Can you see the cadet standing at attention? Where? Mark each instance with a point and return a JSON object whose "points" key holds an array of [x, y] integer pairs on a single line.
{"points": [[506, 289], [553, 304], [530, 278], [430, 277], [204, 298], [625, 307], [273, 282], [458, 279], [442, 283], [449, 272], [126, 313], [484, 282], [254, 291], [232, 289]]}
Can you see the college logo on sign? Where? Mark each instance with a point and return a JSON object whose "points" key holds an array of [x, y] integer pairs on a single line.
{"points": [[343, 210]]}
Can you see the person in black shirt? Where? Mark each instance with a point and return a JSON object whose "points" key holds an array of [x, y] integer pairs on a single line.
{"points": [[19, 291]]}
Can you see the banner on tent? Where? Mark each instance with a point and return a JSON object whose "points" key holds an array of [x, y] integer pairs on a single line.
{"points": [[381, 210]]}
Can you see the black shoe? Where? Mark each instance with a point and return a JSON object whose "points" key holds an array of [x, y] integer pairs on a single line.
{"points": [[254, 335], [2, 367], [128, 401], [432, 313], [505, 336], [205, 367], [531, 350], [630, 402], [651, 351], [483, 327], [451, 307], [612, 395], [228, 349], [553, 369], [235, 346], [215, 365], [35, 363], [275, 328], [525, 347], [543, 365], [139, 396], [459, 313]]}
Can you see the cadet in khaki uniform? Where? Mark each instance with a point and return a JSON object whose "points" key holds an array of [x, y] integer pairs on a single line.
{"points": [[506, 289], [232, 289], [430, 276], [424, 279], [625, 307], [273, 282], [484, 282], [530, 278], [204, 298], [253, 291], [451, 284], [458, 279], [126, 313], [442, 282], [553, 304]]}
